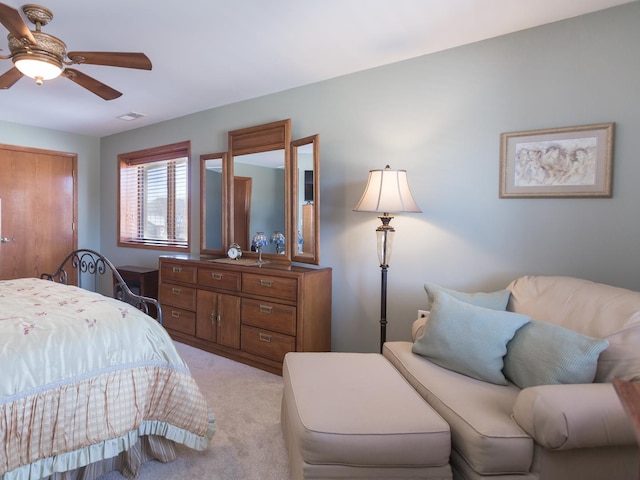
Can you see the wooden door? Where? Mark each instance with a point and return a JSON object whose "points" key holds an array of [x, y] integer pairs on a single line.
{"points": [[218, 318], [206, 315], [308, 228], [38, 210], [229, 326], [242, 211]]}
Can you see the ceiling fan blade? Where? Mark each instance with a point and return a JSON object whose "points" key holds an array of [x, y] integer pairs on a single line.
{"points": [[8, 78], [91, 84], [11, 19], [112, 59]]}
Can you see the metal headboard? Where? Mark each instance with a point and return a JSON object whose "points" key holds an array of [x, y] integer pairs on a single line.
{"points": [[92, 266]]}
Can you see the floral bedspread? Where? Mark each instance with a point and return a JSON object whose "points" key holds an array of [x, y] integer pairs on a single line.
{"points": [[82, 376]]}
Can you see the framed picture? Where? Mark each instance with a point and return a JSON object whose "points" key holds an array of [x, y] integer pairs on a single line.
{"points": [[557, 162]]}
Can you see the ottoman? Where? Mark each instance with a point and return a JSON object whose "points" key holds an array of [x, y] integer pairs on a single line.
{"points": [[352, 415]]}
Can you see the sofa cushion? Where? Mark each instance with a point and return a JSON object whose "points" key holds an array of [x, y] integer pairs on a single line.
{"points": [[542, 353], [593, 309], [494, 300], [468, 339], [483, 431]]}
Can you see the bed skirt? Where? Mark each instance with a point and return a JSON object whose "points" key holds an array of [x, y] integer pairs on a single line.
{"points": [[128, 463]]}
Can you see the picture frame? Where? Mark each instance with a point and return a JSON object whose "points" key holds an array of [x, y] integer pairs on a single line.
{"points": [[557, 162]]}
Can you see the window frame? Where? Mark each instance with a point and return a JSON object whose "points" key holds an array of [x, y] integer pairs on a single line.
{"points": [[146, 156]]}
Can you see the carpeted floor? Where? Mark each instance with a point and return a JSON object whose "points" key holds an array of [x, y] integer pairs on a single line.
{"points": [[248, 443]]}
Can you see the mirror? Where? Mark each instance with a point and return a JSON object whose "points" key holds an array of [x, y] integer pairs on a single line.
{"points": [[305, 165], [265, 183], [260, 189], [259, 199], [213, 191]]}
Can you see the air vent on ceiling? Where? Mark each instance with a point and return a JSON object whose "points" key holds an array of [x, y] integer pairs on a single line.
{"points": [[131, 116]]}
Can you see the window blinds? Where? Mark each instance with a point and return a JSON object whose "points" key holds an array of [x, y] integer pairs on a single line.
{"points": [[154, 202]]}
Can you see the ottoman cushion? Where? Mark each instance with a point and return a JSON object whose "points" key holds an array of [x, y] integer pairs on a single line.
{"points": [[355, 409]]}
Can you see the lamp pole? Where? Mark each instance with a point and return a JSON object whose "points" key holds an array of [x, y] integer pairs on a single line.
{"points": [[385, 236], [383, 306]]}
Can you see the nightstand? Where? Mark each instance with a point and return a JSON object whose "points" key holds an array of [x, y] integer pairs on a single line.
{"points": [[142, 281]]}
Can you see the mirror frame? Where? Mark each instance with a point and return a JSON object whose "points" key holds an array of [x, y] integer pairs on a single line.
{"points": [[223, 202], [314, 140], [256, 139]]}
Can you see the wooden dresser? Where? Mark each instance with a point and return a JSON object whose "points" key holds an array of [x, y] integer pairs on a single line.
{"points": [[249, 313]]}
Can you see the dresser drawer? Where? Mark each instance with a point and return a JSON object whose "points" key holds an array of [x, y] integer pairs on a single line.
{"points": [[177, 296], [178, 272], [180, 320], [272, 316], [266, 343], [219, 279], [286, 288]]}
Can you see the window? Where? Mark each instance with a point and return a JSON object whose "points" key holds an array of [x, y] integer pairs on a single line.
{"points": [[154, 197]]}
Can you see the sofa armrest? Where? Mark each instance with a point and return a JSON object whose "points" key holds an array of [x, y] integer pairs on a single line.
{"points": [[417, 329], [564, 417]]}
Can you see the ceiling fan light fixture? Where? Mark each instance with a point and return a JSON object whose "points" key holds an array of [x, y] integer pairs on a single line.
{"points": [[41, 56], [37, 66]]}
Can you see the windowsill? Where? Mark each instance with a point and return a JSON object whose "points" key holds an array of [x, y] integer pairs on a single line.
{"points": [[156, 246]]}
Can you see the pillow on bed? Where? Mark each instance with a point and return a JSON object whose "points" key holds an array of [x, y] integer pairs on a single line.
{"points": [[542, 353], [493, 300], [468, 339]]}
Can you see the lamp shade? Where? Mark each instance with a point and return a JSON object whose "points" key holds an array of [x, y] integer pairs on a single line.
{"points": [[387, 191], [38, 66]]}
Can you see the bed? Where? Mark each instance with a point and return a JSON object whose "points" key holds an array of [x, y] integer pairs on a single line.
{"points": [[90, 383]]}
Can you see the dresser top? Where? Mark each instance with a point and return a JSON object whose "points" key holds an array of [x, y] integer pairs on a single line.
{"points": [[248, 263]]}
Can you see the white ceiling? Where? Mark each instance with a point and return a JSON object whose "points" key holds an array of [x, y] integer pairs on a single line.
{"points": [[207, 53]]}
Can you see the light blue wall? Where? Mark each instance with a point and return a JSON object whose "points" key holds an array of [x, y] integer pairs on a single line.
{"points": [[440, 117], [88, 151]]}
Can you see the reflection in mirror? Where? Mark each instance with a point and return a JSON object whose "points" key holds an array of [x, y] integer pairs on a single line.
{"points": [[212, 203], [305, 160], [261, 183], [262, 208]]}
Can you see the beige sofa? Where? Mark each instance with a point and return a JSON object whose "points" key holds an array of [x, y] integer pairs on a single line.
{"points": [[547, 432]]}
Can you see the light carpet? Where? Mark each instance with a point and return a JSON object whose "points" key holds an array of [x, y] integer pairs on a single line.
{"points": [[248, 443]]}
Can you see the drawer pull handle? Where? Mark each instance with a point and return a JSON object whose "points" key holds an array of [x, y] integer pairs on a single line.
{"points": [[216, 276], [175, 291], [266, 309], [176, 269], [264, 337], [175, 314], [266, 283]]}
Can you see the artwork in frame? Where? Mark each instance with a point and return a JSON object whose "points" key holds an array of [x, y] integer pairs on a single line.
{"points": [[557, 162]]}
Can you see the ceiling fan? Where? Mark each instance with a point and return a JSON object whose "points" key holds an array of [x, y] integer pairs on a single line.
{"points": [[43, 57]]}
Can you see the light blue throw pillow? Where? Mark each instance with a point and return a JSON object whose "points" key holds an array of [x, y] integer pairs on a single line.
{"points": [[468, 339], [493, 300], [542, 353]]}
